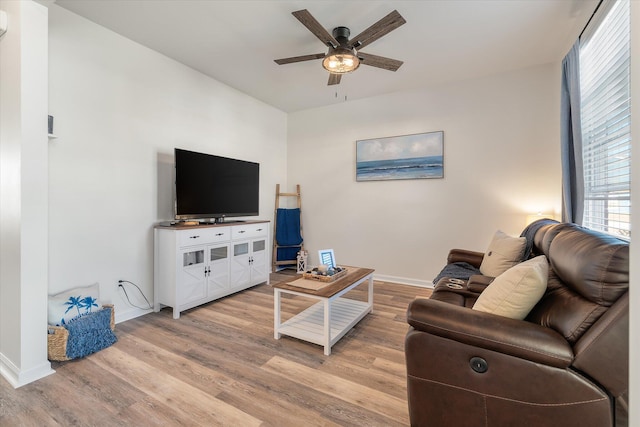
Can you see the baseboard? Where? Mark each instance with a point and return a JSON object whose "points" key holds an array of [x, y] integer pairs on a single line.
{"points": [[404, 280], [18, 378], [123, 316]]}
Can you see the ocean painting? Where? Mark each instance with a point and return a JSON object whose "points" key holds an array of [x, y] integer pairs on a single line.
{"points": [[416, 156]]}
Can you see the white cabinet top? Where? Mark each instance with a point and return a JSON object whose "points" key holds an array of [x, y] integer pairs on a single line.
{"points": [[170, 225]]}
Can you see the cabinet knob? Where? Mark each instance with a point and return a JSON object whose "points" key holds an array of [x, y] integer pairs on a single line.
{"points": [[241, 231], [194, 237], [219, 234], [259, 229]]}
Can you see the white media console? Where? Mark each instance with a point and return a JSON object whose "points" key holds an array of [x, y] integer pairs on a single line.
{"points": [[196, 264]]}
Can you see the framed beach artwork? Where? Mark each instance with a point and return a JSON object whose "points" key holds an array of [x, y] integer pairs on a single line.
{"points": [[418, 156]]}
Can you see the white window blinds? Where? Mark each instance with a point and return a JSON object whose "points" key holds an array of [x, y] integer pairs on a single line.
{"points": [[605, 114]]}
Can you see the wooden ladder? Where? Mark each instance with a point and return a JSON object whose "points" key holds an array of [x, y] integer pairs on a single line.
{"points": [[274, 253]]}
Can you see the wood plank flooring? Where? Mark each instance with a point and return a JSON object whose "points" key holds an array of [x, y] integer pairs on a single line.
{"points": [[219, 365]]}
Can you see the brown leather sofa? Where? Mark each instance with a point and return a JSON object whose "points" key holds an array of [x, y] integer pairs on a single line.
{"points": [[566, 364]]}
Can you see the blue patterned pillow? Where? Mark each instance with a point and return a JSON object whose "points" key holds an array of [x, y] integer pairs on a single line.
{"points": [[74, 303], [90, 333]]}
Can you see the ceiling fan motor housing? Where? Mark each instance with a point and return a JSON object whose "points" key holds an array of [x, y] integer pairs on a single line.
{"points": [[341, 34]]}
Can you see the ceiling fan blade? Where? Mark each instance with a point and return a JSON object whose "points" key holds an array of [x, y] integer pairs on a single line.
{"points": [[379, 61], [384, 26], [299, 58], [314, 26], [334, 79]]}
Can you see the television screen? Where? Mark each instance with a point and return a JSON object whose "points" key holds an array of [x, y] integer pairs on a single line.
{"points": [[209, 186]]}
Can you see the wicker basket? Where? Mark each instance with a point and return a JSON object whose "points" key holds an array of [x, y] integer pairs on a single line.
{"points": [[58, 336], [321, 278]]}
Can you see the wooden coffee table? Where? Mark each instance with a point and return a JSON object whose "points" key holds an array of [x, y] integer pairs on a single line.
{"points": [[328, 320]]}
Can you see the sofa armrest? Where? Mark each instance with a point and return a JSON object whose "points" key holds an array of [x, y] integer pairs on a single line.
{"points": [[517, 338], [478, 283], [462, 255]]}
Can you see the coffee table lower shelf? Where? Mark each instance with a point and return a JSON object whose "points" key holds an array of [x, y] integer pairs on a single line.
{"points": [[328, 320], [310, 324]]}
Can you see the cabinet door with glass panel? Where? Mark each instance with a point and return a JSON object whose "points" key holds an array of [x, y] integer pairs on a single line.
{"points": [[240, 269], [259, 265], [249, 263], [218, 270], [191, 278]]}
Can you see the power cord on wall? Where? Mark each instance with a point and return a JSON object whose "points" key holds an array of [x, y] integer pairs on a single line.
{"points": [[121, 286]]}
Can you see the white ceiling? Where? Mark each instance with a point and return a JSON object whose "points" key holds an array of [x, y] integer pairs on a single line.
{"points": [[236, 41]]}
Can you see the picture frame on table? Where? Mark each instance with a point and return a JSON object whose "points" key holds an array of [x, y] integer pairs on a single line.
{"points": [[327, 257]]}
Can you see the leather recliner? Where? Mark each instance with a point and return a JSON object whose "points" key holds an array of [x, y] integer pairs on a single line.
{"points": [[566, 364]]}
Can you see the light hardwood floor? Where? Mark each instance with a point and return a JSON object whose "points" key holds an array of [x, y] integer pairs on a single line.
{"points": [[220, 365]]}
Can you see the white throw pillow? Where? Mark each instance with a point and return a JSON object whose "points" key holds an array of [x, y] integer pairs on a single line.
{"points": [[503, 253], [68, 305], [516, 291]]}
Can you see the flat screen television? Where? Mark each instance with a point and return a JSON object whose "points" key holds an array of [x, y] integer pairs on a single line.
{"points": [[209, 186]]}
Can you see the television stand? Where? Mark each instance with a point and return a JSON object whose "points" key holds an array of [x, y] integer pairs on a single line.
{"points": [[197, 264]]}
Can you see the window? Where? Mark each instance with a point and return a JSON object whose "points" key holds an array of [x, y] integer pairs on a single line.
{"points": [[605, 114]]}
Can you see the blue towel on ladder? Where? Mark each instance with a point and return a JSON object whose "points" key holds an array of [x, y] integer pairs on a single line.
{"points": [[288, 227], [288, 254], [288, 233]]}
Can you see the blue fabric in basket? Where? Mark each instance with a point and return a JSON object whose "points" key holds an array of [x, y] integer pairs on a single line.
{"points": [[89, 334]]}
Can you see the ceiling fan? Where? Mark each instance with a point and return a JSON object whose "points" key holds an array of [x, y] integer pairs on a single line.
{"points": [[342, 56]]}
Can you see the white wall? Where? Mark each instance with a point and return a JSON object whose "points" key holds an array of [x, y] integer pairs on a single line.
{"points": [[502, 162], [120, 109], [23, 195]]}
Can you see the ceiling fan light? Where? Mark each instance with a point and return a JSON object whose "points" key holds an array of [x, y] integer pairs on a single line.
{"points": [[341, 60]]}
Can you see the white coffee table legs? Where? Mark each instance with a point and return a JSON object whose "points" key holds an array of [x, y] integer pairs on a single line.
{"points": [[325, 322], [327, 326], [276, 314]]}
